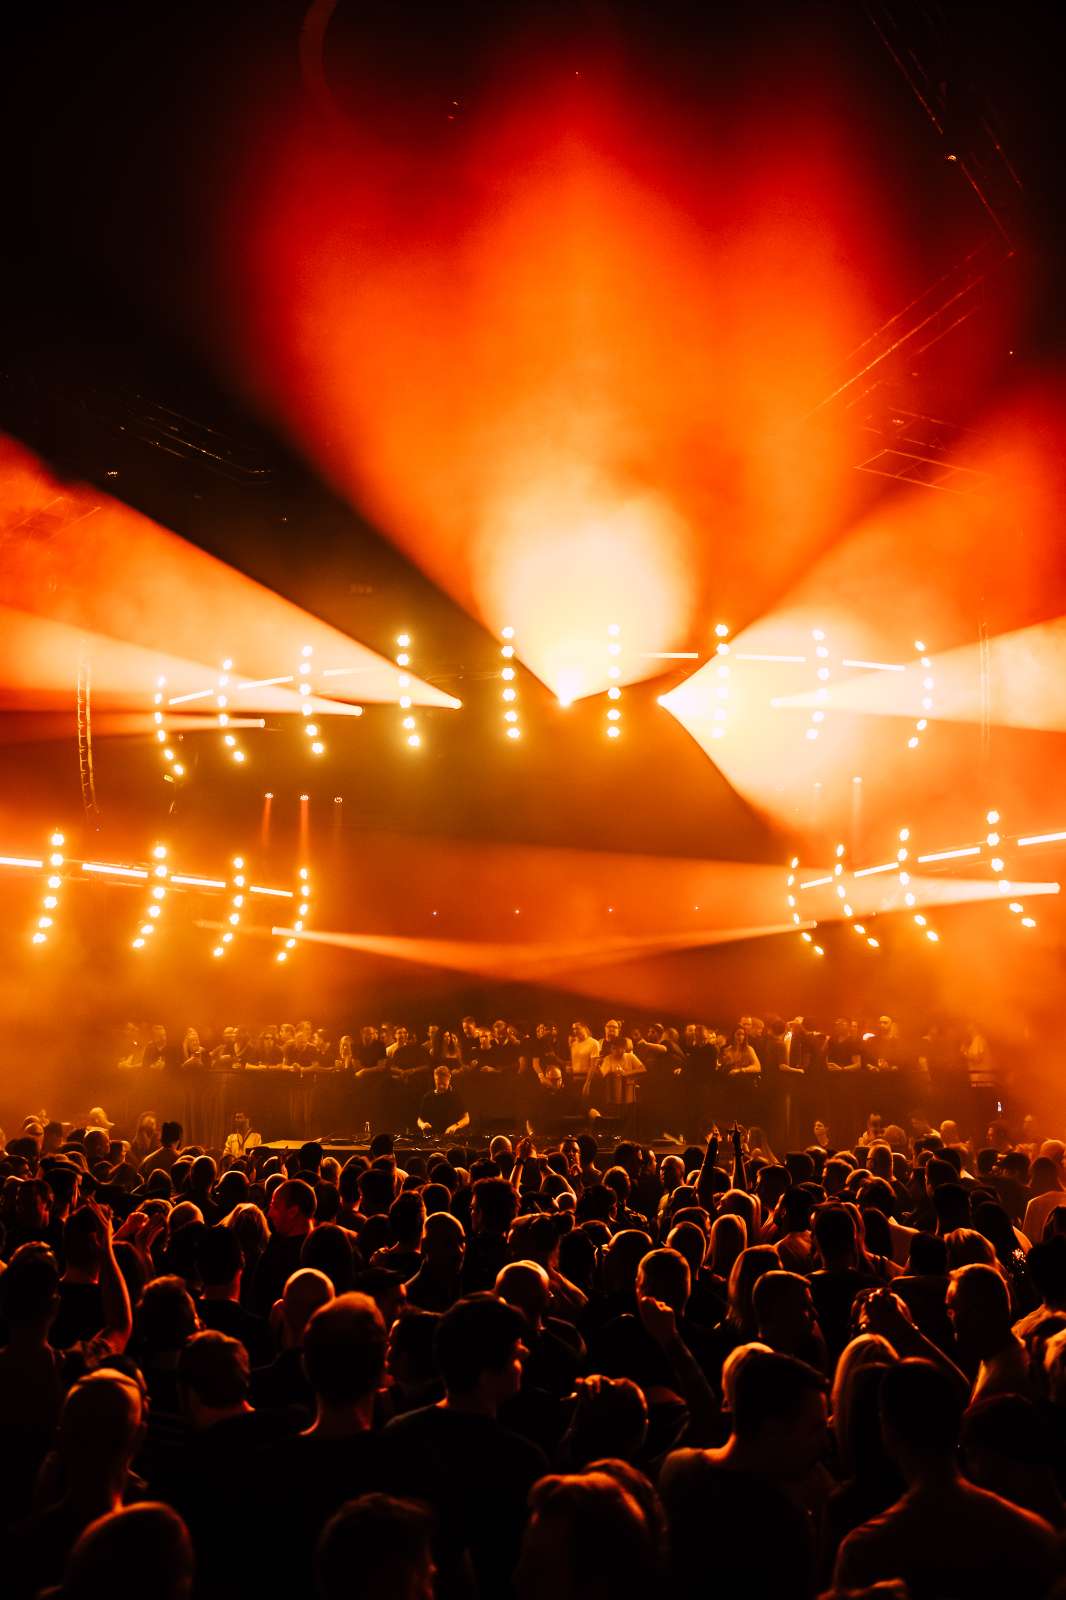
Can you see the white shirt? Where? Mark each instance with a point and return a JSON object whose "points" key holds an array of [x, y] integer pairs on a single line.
{"points": [[583, 1052]]}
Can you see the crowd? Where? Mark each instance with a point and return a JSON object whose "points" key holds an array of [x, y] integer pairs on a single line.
{"points": [[652, 1077], [516, 1370]]}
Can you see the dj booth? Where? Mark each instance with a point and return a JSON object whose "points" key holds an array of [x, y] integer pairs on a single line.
{"points": [[280, 1102]]}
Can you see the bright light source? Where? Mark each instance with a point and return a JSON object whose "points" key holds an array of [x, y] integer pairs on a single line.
{"points": [[40, 938], [179, 770], [54, 881], [614, 693], [160, 871], [912, 742], [817, 633], [839, 850], [50, 902], [812, 733], [238, 756], [138, 944], [55, 859], [507, 674], [218, 951], [806, 937], [414, 740], [281, 956], [311, 730], [613, 732], [613, 630], [1028, 922], [158, 892], [934, 938], [317, 748], [875, 944], [510, 716], [507, 633], [818, 950], [722, 649], [227, 937], [996, 864], [613, 715], [508, 694], [920, 920], [722, 630], [403, 659], [302, 910], [514, 733], [305, 688], [403, 640], [847, 910], [614, 672], [229, 740], [992, 839], [154, 911], [409, 722], [507, 651], [290, 944]]}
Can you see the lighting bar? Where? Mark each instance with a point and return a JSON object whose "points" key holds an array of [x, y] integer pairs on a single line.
{"points": [[110, 871], [952, 855], [816, 883], [21, 861], [184, 699], [1043, 838], [755, 656], [873, 666], [260, 683], [258, 888], [870, 872], [198, 883]]}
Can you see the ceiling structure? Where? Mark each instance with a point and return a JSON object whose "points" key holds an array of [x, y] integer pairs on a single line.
{"points": [[429, 320]]}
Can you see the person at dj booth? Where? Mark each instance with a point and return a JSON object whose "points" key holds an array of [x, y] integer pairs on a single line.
{"points": [[551, 1104], [441, 1112]]}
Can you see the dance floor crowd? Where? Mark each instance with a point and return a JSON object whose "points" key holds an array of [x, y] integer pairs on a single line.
{"points": [[517, 1369]]}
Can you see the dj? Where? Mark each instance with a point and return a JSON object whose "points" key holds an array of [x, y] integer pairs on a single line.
{"points": [[441, 1111]]}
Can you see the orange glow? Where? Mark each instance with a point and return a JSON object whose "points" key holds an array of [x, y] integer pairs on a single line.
{"points": [[567, 377], [86, 576]]}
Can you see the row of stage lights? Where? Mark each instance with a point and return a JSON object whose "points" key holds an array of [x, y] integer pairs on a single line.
{"points": [[823, 672], [509, 693], [159, 880], [901, 867]]}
